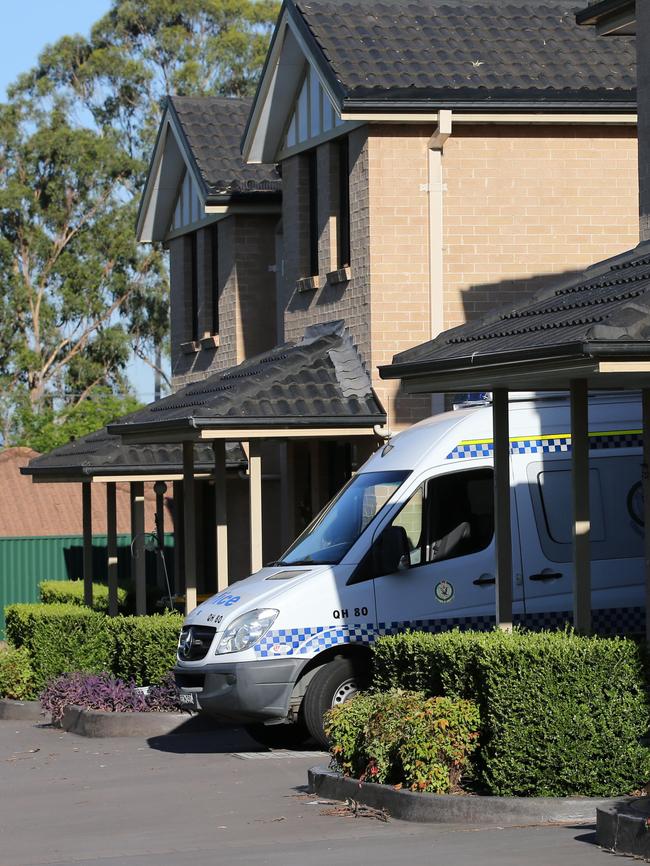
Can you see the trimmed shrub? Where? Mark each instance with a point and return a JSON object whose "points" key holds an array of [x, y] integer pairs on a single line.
{"points": [[72, 592], [60, 638], [561, 714], [104, 692], [145, 646], [403, 738], [16, 675]]}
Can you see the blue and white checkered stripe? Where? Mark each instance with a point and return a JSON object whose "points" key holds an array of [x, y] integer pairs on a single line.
{"points": [[546, 445], [311, 641]]}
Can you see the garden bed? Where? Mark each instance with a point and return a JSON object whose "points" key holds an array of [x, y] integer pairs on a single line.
{"points": [[104, 723], [21, 711], [476, 810]]}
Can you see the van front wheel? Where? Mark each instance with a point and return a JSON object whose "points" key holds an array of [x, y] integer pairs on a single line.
{"points": [[334, 684]]}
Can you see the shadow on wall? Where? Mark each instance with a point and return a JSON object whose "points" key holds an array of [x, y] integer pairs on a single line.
{"points": [[483, 298], [478, 301]]}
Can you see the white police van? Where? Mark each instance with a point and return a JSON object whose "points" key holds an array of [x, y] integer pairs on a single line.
{"points": [[409, 543]]}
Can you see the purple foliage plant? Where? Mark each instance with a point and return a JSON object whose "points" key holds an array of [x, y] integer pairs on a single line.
{"points": [[104, 692]]}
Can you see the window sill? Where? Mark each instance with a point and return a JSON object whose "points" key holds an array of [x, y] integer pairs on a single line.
{"points": [[307, 284], [191, 347], [340, 275], [210, 341]]}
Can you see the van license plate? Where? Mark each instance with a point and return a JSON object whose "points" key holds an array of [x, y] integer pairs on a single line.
{"points": [[188, 699]]}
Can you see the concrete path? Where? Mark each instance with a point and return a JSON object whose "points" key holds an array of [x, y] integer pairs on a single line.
{"points": [[190, 801]]}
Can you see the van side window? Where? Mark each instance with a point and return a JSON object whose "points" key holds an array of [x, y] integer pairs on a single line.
{"points": [[460, 514], [615, 531], [448, 516], [410, 520]]}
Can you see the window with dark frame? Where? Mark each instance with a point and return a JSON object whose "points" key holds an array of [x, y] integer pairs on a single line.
{"points": [[214, 281], [194, 289], [313, 212], [343, 239]]}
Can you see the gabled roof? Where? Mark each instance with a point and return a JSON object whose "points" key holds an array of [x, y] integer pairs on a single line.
{"points": [[212, 128], [424, 55], [55, 509], [457, 50], [201, 136], [603, 314], [317, 382], [102, 454]]}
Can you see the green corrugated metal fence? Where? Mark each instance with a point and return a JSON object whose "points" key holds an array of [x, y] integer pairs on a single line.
{"points": [[25, 562]]}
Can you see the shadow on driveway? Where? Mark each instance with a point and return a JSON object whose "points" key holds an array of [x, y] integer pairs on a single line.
{"points": [[589, 837], [205, 737]]}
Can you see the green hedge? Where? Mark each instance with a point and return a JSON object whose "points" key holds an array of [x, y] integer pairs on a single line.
{"points": [[63, 638], [402, 738], [16, 675], [72, 592], [561, 714], [145, 646]]}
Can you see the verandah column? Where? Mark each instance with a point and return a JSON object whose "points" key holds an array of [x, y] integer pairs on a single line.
{"points": [[645, 398], [137, 547], [221, 513], [111, 547], [502, 526], [255, 492], [189, 526], [581, 518], [87, 529]]}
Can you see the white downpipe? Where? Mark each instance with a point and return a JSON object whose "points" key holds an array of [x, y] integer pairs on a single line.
{"points": [[436, 239]]}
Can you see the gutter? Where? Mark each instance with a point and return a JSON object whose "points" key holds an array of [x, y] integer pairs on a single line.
{"points": [[581, 351], [625, 105]]}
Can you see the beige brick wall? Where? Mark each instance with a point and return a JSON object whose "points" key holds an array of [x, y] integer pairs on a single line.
{"points": [[399, 258], [256, 299], [522, 205], [526, 204], [350, 300], [246, 295]]}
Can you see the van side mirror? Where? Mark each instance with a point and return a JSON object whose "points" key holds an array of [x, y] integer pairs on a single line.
{"points": [[391, 551]]}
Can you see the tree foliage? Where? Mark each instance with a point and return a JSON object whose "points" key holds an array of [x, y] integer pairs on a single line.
{"points": [[78, 296]]}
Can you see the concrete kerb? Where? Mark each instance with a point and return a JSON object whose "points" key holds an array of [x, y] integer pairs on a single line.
{"points": [[99, 723], [624, 828], [21, 711], [448, 809]]}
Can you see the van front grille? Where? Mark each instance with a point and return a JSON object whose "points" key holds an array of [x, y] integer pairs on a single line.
{"points": [[194, 642]]}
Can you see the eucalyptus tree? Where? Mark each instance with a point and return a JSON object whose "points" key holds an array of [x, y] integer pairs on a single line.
{"points": [[78, 294]]}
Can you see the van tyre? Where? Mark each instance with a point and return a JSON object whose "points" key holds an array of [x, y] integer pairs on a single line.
{"points": [[334, 684], [284, 736]]}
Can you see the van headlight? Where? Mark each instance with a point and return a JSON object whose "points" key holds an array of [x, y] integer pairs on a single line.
{"points": [[245, 631]]}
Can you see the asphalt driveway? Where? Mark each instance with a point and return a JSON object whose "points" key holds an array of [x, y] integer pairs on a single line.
{"points": [[217, 798]]}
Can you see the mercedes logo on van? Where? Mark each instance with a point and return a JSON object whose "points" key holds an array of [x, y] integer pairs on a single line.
{"points": [[185, 643]]}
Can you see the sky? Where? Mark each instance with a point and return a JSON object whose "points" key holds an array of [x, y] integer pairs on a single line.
{"points": [[27, 27]]}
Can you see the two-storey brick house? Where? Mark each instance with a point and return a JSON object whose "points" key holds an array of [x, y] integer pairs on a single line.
{"points": [[436, 160]]}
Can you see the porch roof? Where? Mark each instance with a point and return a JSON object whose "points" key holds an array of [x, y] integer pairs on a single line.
{"points": [[318, 383], [101, 455], [594, 327]]}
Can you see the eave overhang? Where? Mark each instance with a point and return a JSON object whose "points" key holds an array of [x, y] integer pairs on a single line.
{"points": [[603, 365], [610, 17]]}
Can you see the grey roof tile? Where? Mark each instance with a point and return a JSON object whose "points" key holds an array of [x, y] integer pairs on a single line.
{"points": [[317, 381], [101, 453], [495, 50], [213, 127], [609, 302]]}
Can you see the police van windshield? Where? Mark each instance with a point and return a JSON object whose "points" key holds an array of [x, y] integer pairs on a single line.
{"points": [[329, 537]]}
